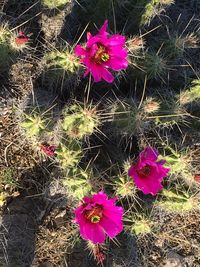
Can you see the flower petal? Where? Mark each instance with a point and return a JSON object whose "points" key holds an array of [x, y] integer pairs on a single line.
{"points": [[149, 187], [89, 36], [117, 40], [131, 171], [103, 29], [115, 51], [96, 39], [93, 232], [93, 50], [149, 153], [96, 71], [100, 198], [107, 76], [118, 63], [111, 226], [79, 51], [86, 73]]}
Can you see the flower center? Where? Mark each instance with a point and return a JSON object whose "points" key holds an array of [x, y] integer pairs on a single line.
{"points": [[95, 219], [95, 214], [101, 55], [105, 57], [144, 172]]}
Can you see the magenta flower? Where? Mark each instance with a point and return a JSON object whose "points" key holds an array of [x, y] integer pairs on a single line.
{"points": [[49, 150], [148, 173], [97, 217], [103, 52], [21, 38]]}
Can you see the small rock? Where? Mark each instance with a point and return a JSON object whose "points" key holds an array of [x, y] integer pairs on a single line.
{"points": [[173, 260]]}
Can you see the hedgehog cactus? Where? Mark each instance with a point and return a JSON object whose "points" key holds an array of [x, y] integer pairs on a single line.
{"points": [[123, 184], [80, 121], [150, 105], [129, 119], [77, 182], [179, 164], [171, 112], [178, 202], [61, 61], [151, 9], [135, 44], [52, 4], [125, 116], [69, 154], [176, 44], [192, 94], [138, 224], [175, 160], [33, 125], [4, 46], [155, 66], [10, 44]]}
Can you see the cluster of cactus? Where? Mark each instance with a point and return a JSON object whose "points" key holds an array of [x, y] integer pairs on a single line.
{"points": [[11, 43], [78, 183], [52, 4], [123, 184], [68, 154], [176, 45], [130, 117], [179, 164], [150, 9], [144, 117], [61, 65], [178, 201], [138, 224], [171, 113], [154, 65], [80, 121], [33, 124], [192, 94], [4, 45], [126, 117], [77, 122]]}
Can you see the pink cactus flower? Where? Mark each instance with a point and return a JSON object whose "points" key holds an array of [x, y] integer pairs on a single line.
{"points": [[21, 38], [49, 150], [148, 172], [97, 217], [103, 52]]}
